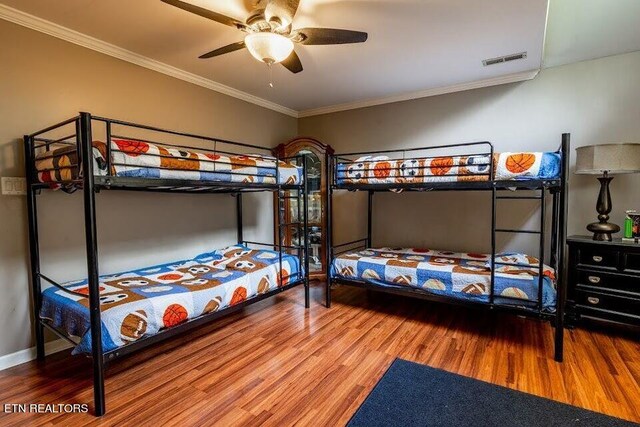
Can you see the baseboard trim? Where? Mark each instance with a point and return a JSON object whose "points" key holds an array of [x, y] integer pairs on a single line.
{"points": [[22, 356]]}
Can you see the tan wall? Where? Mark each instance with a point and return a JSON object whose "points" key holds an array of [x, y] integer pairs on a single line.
{"points": [[597, 101], [44, 80]]}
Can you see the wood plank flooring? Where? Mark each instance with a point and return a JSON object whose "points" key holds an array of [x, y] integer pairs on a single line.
{"points": [[278, 364]]}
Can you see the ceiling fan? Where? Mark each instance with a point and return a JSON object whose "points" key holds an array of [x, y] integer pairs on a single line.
{"points": [[270, 37]]}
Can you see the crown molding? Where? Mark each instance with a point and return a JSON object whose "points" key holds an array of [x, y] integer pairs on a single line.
{"points": [[47, 27], [495, 81]]}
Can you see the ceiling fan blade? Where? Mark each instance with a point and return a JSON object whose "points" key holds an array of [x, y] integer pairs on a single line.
{"points": [[226, 49], [325, 36], [282, 10], [292, 63], [206, 13]]}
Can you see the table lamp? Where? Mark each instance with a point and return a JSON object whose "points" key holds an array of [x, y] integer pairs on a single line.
{"points": [[606, 159]]}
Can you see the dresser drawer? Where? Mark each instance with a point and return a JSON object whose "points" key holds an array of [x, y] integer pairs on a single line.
{"points": [[602, 301], [633, 263], [598, 257], [608, 281]]}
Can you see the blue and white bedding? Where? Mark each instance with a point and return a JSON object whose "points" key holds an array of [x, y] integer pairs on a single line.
{"points": [[141, 159], [507, 167], [456, 275], [141, 303]]}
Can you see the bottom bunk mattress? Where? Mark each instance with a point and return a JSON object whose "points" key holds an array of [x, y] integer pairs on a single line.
{"points": [[456, 275], [143, 302]]}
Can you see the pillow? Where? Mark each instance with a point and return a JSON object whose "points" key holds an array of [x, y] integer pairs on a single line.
{"points": [[370, 159], [515, 263], [514, 258]]}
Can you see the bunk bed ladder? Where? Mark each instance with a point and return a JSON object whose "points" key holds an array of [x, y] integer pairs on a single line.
{"points": [[541, 233], [329, 159]]}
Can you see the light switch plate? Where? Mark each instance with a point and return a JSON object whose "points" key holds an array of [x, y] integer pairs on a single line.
{"points": [[14, 186]]}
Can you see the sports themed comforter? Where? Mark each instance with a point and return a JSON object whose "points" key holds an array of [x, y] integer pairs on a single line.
{"points": [[145, 160], [507, 166], [457, 275], [141, 303]]}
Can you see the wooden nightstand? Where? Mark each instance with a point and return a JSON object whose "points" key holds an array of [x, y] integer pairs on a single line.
{"points": [[604, 280]]}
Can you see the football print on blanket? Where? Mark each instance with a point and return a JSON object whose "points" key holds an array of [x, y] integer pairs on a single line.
{"points": [[134, 326]]}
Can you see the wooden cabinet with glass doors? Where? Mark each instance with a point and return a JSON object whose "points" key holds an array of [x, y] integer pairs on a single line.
{"points": [[316, 153]]}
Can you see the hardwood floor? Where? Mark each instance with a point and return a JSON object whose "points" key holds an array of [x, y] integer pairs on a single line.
{"points": [[277, 364]]}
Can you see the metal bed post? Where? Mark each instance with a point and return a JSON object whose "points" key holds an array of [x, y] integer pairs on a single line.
{"points": [[298, 218], [305, 228], [329, 227], [562, 243], [541, 249], [554, 231], [34, 248], [86, 158], [369, 218], [239, 217], [280, 202], [280, 231], [109, 160], [493, 227]]}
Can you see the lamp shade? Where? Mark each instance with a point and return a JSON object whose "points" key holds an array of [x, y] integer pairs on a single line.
{"points": [[269, 47], [611, 158]]}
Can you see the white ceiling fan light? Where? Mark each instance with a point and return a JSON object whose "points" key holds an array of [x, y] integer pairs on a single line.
{"points": [[270, 37], [270, 48]]}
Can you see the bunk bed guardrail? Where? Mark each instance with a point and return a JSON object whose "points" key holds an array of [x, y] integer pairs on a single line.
{"points": [[83, 177], [226, 158]]}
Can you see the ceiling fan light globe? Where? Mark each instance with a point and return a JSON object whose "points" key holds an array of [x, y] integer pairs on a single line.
{"points": [[268, 47]]}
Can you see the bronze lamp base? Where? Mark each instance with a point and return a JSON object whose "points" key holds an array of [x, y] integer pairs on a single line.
{"points": [[602, 230]]}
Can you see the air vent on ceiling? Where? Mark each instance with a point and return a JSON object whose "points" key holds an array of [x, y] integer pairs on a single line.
{"points": [[506, 58]]}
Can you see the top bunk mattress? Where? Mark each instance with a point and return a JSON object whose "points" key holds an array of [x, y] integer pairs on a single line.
{"points": [[451, 274], [131, 158], [507, 167], [140, 303]]}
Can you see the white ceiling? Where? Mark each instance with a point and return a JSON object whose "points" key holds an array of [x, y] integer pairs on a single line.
{"points": [[579, 30], [414, 45]]}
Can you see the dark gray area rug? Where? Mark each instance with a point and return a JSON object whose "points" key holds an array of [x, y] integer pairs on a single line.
{"points": [[410, 394]]}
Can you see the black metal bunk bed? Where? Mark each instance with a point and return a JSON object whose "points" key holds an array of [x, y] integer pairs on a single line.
{"points": [[556, 186], [84, 178]]}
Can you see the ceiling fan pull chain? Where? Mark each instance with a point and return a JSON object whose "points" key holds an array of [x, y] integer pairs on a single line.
{"points": [[270, 75]]}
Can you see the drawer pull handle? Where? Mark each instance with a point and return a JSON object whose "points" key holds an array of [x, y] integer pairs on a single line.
{"points": [[594, 279], [593, 300], [597, 258]]}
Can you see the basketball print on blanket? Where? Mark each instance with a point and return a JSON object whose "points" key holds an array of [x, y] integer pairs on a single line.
{"points": [[518, 165], [140, 303]]}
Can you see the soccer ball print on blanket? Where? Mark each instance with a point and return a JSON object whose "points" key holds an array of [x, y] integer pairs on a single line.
{"points": [[141, 303], [507, 166], [132, 158]]}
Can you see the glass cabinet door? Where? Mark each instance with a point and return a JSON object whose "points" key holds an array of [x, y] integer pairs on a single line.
{"points": [[314, 205], [315, 153]]}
